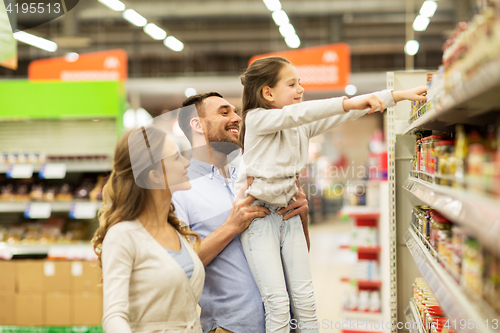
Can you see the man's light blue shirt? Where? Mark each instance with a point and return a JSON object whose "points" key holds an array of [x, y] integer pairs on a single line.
{"points": [[230, 298]]}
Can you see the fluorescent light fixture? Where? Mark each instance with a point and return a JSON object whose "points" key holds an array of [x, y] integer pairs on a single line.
{"points": [[71, 57], [134, 17], [190, 92], [420, 23], [287, 30], [428, 8], [143, 118], [273, 5], [155, 31], [280, 18], [129, 119], [292, 41], [173, 43], [411, 47], [35, 41], [116, 5], [351, 89]]}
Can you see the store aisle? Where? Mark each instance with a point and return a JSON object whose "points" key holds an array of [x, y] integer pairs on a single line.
{"points": [[328, 264]]}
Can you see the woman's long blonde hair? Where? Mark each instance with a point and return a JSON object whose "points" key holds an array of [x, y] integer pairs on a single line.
{"points": [[124, 200]]}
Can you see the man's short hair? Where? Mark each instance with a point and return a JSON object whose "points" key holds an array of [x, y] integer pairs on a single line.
{"points": [[186, 114]]}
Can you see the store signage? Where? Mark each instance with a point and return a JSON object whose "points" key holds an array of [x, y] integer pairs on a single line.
{"points": [[53, 171], [20, 171], [83, 210], [97, 66], [8, 45], [320, 68], [39, 210]]}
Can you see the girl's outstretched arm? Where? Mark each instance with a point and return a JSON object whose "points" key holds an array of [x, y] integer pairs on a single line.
{"points": [[414, 94]]}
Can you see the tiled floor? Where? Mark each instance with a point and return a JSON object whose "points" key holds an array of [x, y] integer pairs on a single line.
{"points": [[328, 265]]}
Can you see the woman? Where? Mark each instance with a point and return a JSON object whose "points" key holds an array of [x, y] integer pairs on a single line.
{"points": [[152, 277]]}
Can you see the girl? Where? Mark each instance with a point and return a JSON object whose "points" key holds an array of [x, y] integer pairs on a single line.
{"points": [[152, 278], [275, 130]]}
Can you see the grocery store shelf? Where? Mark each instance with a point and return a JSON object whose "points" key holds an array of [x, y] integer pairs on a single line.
{"points": [[468, 104], [478, 214], [76, 251], [363, 283], [413, 317], [360, 211], [448, 293], [20, 207], [358, 321], [361, 249], [49, 329], [72, 167]]}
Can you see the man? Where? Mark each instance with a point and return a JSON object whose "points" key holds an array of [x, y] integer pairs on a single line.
{"points": [[231, 301]]}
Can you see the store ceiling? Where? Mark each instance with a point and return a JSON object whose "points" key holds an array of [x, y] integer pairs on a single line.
{"points": [[221, 35]]}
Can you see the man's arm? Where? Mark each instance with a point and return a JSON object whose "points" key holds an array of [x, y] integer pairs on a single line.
{"points": [[299, 207], [240, 217]]}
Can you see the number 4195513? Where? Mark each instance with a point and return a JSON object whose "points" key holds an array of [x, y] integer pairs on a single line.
{"points": [[35, 8], [472, 324]]}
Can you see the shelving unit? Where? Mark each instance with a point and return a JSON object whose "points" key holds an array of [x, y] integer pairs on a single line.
{"points": [[469, 104], [479, 214], [413, 317], [476, 102], [56, 206], [104, 166], [372, 217]]}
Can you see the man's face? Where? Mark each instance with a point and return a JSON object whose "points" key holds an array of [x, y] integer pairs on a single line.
{"points": [[221, 122]]}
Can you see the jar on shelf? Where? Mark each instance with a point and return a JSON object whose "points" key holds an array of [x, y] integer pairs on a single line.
{"points": [[438, 223], [444, 150], [424, 148], [431, 154]]}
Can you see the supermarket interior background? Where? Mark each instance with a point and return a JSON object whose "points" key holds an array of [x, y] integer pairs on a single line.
{"points": [[403, 205]]}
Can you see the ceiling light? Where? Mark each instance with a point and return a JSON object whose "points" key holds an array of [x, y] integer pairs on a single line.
{"points": [[411, 47], [35, 41], [143, 118], [173, 43], [428, 8], [420, 23], [116, 5], [292, 41], [71, 56], [280, 18], [190, 92], [273, 5], [134, 17], [129, 119], [287, 30], [155, 31], [351, 89]]}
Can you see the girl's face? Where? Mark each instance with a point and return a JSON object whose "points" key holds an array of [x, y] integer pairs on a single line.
{"points": [[288, 89]]}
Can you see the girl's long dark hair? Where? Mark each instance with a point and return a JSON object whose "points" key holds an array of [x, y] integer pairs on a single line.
{"points": [[261, 73]]}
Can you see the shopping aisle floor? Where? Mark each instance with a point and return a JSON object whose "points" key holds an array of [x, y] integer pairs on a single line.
{"points": [[328, 264]]}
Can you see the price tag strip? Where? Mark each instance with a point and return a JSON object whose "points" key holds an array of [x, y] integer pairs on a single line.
{"points": [[83, 210], [40, 210], [20, 171], [53, 171]]}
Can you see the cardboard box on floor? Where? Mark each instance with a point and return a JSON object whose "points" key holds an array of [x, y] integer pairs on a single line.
{"points": [[57, 309], [29, 276], [7, 276], [86, 276], [7, 308], [87, 308], [29, 309], [57, 276]]}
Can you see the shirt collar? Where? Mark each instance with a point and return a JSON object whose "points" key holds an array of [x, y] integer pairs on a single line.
{"points": [[209, 169]]}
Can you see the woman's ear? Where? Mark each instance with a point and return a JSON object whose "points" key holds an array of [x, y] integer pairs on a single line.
{"points": [[155, 177], [196, 125], [267, 93]]}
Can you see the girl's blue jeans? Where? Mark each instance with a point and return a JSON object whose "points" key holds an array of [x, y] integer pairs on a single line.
{"points": [[276, 252]]}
